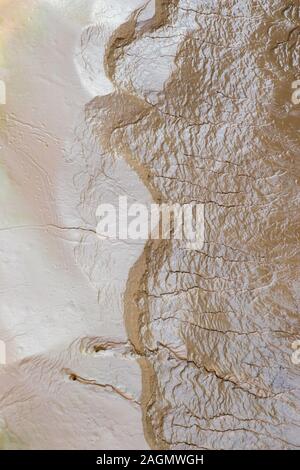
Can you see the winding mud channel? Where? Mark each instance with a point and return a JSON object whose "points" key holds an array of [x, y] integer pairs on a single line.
{"points": [[129, 344]]}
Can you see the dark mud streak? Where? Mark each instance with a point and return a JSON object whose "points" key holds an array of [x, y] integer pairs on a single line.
{"points": [[250, 379]]}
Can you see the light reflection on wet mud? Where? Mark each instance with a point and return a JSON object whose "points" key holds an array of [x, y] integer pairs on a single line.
{"points": [[214, 328]]}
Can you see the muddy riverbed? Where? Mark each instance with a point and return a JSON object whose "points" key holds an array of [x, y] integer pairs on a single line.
{"points": [[149, 343]]}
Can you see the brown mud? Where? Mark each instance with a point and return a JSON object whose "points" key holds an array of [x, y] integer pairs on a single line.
{"points": [[214, 328]]}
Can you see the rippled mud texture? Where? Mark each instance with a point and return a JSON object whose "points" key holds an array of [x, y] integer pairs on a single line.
{"points": [[187, 101], [203, 112]]}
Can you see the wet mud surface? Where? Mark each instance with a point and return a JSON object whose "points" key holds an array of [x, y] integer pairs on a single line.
{"points": [[183, 101], [215, 327]]}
